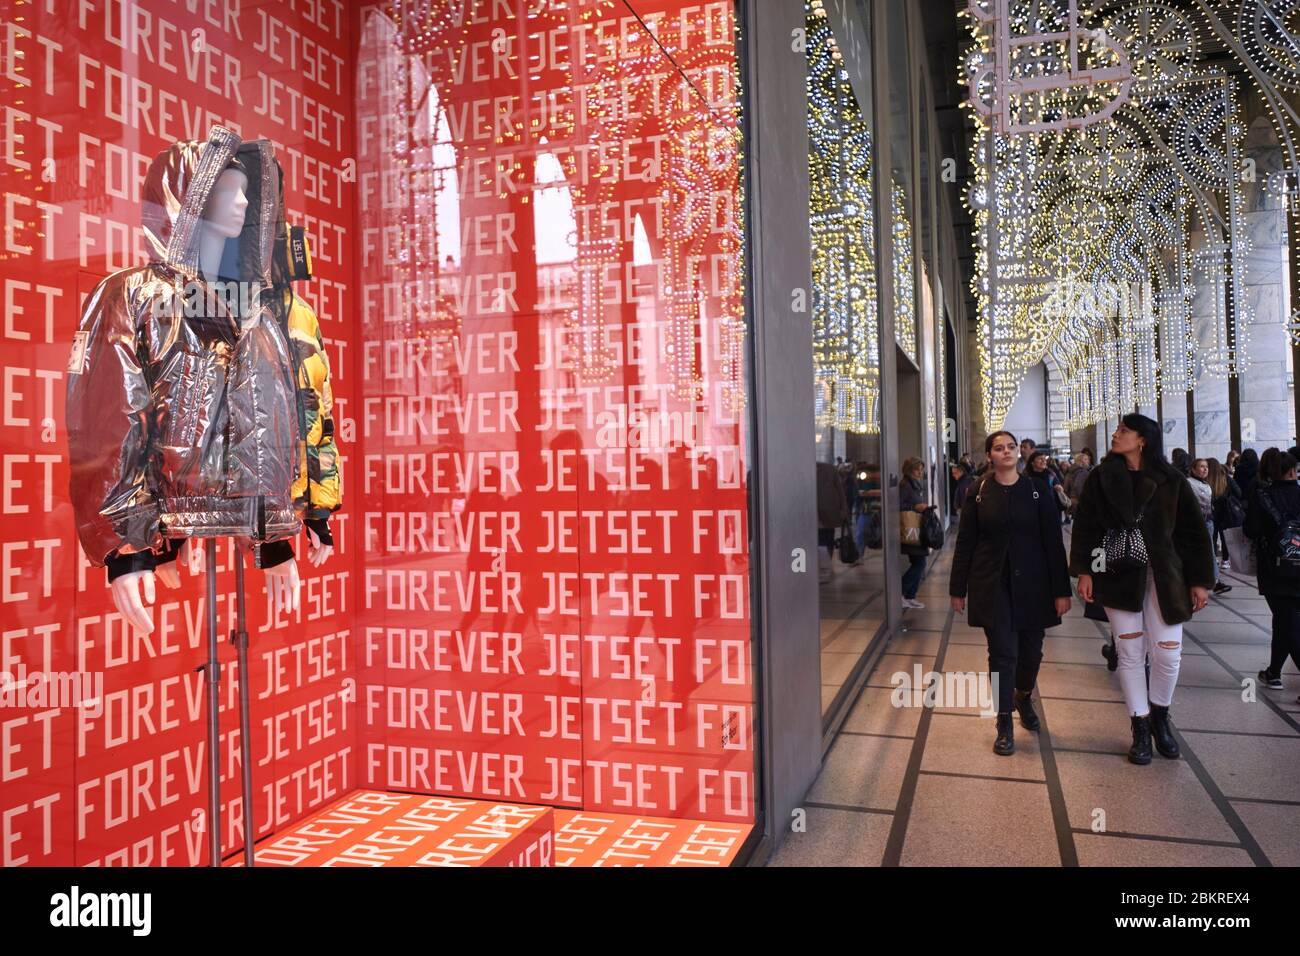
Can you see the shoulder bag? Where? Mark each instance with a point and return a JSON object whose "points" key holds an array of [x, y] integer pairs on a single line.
{"points": [[1125, 549]]}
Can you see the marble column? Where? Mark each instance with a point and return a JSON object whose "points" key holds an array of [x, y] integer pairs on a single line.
{"points": [[1265, 396], [1213, 431]]}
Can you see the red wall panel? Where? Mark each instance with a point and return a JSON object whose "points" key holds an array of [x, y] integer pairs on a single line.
{"points": [[94, 90], [526, 227]]}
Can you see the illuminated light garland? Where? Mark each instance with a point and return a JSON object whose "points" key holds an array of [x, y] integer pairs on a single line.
{"points": [[846, 347], [1106, 205], [614, 96]]}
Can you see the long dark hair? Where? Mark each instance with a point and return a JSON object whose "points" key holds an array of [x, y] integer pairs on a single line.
{"points": [[1247, 466], [1153, 448], [1268, 464]]}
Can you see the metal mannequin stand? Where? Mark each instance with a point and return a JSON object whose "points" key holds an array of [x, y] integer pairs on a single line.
{"points": [[212, 682]]}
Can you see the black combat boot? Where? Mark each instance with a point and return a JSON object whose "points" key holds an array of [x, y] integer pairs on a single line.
{"points": [[1025, 705], [1140, 752], [1006, 742], [1164, 737]]}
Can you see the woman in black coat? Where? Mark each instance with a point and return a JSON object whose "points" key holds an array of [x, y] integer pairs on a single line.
{"points": [[911, 497], [1010, 559], [1246, 472], [961, 482], [1148, 599], [1279, 500]]}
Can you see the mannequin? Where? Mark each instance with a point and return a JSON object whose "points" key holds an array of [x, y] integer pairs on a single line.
{"points": [[195, 413], [134, 592]]}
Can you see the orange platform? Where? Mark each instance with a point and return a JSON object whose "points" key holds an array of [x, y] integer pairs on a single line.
{"points": [[377, 828]]}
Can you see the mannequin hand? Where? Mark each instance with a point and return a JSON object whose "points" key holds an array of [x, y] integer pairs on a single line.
{"points": [[169, 572], [1062, 606], [1200, 598], [317, 553], [1085, 588], [959, 605], [282, 583], [126, 597]]}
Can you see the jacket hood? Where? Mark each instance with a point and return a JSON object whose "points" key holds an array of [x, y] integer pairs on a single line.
{"points": [[176, 192]]}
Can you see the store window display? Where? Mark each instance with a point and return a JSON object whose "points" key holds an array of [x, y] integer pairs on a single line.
{"points": [[488, 463], [182, 421], [199, 407]]}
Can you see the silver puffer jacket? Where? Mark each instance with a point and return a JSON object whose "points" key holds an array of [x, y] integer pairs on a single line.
{"points": [[182, 420]]}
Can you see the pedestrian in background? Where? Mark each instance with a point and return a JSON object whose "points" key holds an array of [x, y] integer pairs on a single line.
{"points": [[1199, 480], [1270, 510], [961, 482], [1268, 463], [911, 497], [1041, 472], [1246, 473], [1181, 460], [1229, 507], [1027, 447], [1075, 478]]}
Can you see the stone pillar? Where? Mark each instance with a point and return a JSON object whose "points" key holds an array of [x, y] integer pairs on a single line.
{"points": [[1211, 421], [1265, 397], [1175, 420], [1058, 436]]}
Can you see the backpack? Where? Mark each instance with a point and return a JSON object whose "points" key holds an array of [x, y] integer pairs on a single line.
{"points": [[1231, 513], [1285, 542]]}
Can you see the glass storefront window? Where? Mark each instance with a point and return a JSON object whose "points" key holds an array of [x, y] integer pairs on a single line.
{"points": [[846, 356], [521, 401]]}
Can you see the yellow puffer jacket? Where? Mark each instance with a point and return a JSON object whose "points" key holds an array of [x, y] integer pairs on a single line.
{"points": [[319, 487]]}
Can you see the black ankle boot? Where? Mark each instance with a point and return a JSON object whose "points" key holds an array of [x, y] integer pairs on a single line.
{"points": [[1140, 752], [1160, 732], [1025, 705], [1006, 742]]}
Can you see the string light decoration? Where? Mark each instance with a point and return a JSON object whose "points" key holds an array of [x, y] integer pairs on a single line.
{"points": [[1101, 217], [644, 111], [904, 274], [846, 346]]}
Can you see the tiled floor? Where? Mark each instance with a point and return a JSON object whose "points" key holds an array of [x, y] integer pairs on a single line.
{"points": [[920, 785], [852, 610]]}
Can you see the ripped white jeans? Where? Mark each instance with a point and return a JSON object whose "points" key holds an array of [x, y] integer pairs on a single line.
{"points": [[1164, 642]]}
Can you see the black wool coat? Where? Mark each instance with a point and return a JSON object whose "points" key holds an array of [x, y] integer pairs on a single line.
{"points": [[1008, 524], [1178, 546]]}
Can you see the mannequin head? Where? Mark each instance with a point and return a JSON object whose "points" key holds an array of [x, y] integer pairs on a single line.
{"points": [[228, 203]]}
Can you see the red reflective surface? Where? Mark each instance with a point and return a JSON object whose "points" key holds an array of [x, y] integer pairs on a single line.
{"points": [[526, 234]]}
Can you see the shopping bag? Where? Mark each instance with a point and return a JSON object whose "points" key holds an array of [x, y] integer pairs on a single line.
{"points": [[909, 528], [1241, 550]]}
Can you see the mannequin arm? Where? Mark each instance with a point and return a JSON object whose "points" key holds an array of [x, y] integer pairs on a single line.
{"points": [[126, 591], [108, 424]]}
